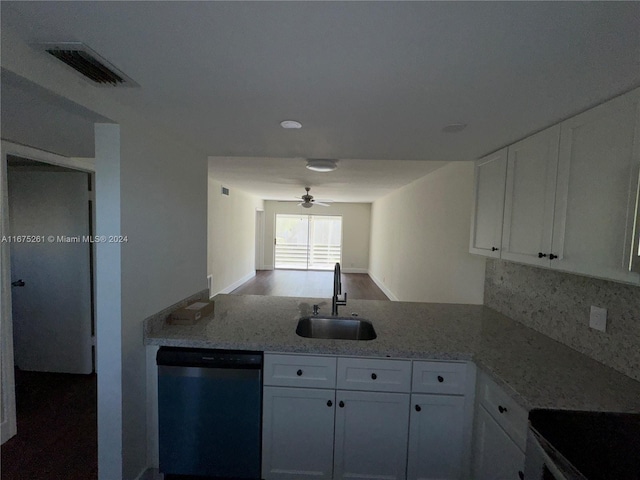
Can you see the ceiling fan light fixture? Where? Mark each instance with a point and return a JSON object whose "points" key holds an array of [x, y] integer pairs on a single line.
{"points": [[289, 124], [307, 205], [321, 165]]}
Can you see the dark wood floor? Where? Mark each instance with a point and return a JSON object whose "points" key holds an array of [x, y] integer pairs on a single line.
{"points": [[57, 428], [314, 284]]}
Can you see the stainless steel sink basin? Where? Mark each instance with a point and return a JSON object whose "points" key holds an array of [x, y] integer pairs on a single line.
{"points": [[337, 328]]}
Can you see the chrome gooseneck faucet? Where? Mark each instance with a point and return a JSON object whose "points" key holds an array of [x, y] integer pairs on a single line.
{"points": [[338, 297]]}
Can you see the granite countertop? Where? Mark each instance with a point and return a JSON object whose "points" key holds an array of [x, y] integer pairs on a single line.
{"points": [[536, 371]]}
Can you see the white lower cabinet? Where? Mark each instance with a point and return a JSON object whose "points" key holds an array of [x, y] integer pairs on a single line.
{"points": [[371, 435], [364, 423], [436, 437], [500, 433], [497, 457], [297, 433]]}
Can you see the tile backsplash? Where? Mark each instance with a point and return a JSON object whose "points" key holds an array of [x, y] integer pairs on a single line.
{"points": [[558, 305]]}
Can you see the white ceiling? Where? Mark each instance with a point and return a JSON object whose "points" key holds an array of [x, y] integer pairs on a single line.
{"points": [[32, 115], [368, 80], [285, 178]]}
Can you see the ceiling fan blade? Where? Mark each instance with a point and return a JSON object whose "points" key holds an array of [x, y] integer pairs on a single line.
{"points": [[324, 200], [321, 204]]}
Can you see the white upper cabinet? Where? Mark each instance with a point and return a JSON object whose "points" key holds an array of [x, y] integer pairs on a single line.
{"points": [[597, 190], [486, 221], [530, 198], [570, 195]]}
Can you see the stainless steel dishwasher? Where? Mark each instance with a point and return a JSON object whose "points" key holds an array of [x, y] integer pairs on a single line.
{"points": [[209, 413]]}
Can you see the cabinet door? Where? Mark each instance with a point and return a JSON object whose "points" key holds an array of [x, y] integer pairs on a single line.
{"points": [[297, 433], [371, 435], [597, 190], [436, 437], [530, 198], [488, 206], [496, 456]]}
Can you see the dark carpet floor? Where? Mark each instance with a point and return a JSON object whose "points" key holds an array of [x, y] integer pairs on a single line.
{"points": [[57, 428]]}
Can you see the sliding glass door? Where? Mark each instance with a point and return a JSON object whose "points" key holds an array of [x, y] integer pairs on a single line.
{"points": [[308, 242], [325, 242], [292, 241]]}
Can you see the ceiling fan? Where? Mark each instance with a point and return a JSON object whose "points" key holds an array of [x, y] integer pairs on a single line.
{"points": [[308, 201]]}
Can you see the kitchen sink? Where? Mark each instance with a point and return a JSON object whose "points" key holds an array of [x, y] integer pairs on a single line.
{"points": [[336, 328]]}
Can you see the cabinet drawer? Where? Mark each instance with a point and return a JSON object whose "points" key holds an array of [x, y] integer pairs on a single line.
{"points": [[439, 377], [510, 416], [299, 371], [374, 375]]}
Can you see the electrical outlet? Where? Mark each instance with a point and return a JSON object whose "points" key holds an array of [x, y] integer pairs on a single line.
{"points": [[598, 318]]}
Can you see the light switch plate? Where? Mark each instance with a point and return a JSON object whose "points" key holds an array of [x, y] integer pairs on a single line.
{"points": [[598, 318]]}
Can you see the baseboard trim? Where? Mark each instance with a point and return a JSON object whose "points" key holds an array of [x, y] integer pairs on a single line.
{"points": [[267, 267], [236, 284], [384, 288], [355, 270]]}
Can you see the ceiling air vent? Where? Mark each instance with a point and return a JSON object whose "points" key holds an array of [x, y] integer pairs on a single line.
{"points": [[88, 63]]}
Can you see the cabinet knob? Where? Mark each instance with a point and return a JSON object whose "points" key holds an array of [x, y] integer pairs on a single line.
{"points": [[341, 404], [552, 256], [418, 408], [541, 255], [520, 474], [299, 373], [502, 409], [373, 376], [440, 379], [494, 249], [329, 403]]}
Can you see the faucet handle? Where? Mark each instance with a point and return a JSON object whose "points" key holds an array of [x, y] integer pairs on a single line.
{"points": [[316, 309], [342, 299]]}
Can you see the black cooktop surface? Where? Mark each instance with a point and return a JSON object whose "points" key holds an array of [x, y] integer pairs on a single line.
{"points": [[601, 445]]}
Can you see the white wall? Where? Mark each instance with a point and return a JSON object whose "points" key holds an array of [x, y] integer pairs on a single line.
{"points": [[231, 248], [164, 211], [356, 223], [151, 187], [108, 303], [420, 239]]}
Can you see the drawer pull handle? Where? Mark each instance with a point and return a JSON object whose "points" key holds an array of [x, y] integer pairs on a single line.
{"points": [[329, 403], [493, 249], [418, 408], [552, 256], [520, 474], [373, 376], [299, 373], [541, 255], [502, 409], [341, 404], [440, 379]]}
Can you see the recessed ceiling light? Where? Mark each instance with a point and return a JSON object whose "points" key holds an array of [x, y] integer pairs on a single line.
{"points": [[454, 127], [321, 165], [290, 124]]}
